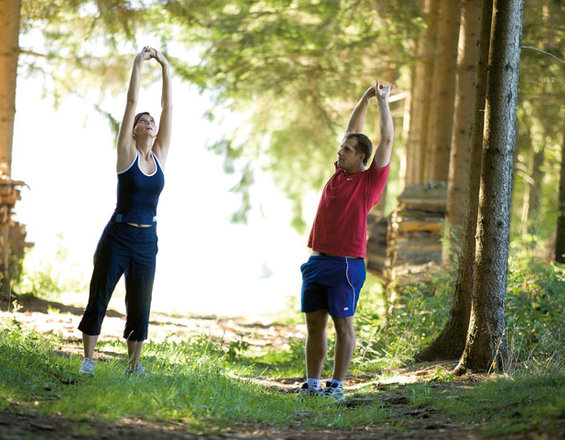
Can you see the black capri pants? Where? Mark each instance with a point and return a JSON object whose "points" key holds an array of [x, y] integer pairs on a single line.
{"points": [[132, 251]]}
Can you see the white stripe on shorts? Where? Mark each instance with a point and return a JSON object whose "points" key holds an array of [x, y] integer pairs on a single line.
{"points": [[347, 277]]}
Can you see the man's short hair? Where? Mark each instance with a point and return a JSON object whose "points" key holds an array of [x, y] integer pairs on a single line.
{"points": [[363, 145]]}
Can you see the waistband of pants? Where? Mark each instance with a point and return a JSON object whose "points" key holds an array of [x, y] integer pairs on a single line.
{"points": [[119, 218], [322, 254]]}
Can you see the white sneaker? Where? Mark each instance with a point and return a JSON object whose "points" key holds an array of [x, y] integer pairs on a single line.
{"points": [[138, 370], [334, 391], [87, 367], [305, 391]]}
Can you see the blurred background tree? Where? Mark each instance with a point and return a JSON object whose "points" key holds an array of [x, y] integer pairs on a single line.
{"points": [[295, 69], [540, 127]]}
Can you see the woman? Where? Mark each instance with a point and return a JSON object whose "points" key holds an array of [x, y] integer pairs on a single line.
{"points": [[129, 242]]}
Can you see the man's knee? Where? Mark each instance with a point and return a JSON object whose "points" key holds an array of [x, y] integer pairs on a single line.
{"points": [[344, 327], [316, 321]]}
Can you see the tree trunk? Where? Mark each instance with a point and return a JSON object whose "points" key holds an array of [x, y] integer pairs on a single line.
{"points": [[419, 97], [531, 201], [463, 125], [443, 92], [414, 118], [560, 240], [9, 51], [430, 64], [485, 348], [522, 160], [451, 341]]}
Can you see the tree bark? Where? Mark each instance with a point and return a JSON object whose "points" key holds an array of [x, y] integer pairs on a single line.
{"points": [[451, 341], [9, 51], [430, 64], [485, 348], [560, 239], [420, 100], [531, 201], [458, 177], [443, 92], [531, 205]]}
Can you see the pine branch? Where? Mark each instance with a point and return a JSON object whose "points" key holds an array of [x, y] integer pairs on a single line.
{"points": [[544, 52]]}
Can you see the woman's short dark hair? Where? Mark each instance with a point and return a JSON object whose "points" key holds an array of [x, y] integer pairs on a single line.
{"points": [[139, 115], [363, 145]]}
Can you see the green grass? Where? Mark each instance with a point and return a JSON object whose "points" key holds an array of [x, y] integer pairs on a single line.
{"points": [[207, 386], [507, 404], [193, 383], [190, 382]]}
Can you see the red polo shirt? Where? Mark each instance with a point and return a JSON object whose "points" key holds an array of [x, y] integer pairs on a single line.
{"points": [[340, 226]]}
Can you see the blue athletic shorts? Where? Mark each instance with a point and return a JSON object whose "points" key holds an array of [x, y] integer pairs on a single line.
{"points": [[333, 284]]}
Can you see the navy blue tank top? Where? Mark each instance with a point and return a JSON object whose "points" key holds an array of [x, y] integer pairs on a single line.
{"points": [[138, 193]]}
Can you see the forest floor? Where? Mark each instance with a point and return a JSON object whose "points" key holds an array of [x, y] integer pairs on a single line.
{"points": [[417, 423]]}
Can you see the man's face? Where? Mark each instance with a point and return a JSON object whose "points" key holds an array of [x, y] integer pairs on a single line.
{"points": [[348, 158]]}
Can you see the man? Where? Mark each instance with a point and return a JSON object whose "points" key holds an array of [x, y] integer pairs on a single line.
{"points": [[335, 272]]}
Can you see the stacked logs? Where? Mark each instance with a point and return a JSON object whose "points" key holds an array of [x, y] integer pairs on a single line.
{"points": [[12, 233], [412, 242], [377, 228]]}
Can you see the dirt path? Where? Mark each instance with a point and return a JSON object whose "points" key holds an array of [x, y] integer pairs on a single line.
{"points": [[61, 319]]}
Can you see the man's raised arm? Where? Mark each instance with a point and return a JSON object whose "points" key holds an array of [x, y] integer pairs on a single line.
{"points": [[382, 154], [357, 118]]}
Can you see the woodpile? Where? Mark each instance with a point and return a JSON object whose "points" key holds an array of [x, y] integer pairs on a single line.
{"points": [[12, 233], [377, 228], [406, 246]]}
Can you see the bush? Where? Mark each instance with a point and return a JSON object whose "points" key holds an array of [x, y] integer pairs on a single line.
{"points": [[535, 312]]}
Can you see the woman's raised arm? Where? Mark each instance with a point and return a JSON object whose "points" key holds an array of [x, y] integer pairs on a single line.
{"points": [[163, 141], [125, 144]]}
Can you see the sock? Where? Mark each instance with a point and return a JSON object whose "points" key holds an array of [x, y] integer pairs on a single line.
{"points": [[339, 383], [313, 383]]}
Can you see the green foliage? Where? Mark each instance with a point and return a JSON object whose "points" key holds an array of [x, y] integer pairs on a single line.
{"points": [[42, 281], [49, 279], [387, 338], [535, 314], [539, 127], [81, 47], [298, 69]]}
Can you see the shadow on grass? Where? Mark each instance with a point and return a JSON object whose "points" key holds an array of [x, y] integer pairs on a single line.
{"points": [[30, 303]]}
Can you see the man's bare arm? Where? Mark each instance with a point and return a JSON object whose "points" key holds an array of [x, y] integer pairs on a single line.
{"points": [[357, 118], [384, 150]]}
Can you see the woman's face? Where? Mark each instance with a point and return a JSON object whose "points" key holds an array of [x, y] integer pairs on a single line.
{"points": [[145, 126]]}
